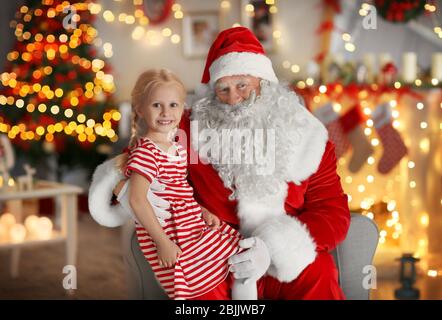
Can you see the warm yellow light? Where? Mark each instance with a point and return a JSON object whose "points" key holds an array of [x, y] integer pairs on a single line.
{"points": [[68, 113], [391, 205], [116, 116], [249, 8], [273, 9], [424, 219], [42, 107], [40, 131], [350, 47], [138, 33], [178, 15], [301, 85], [412, 184], [58, 127], [19, 103], [432, 273], [108, 16], [424, 145], [346, 37], [411, 164], [225, 4], [129, 19], [81, 118], [361, 188], [17, 233], [310, 81], [74, 101], [295, 68], [423, 125], [175, 39], [277, 34]]}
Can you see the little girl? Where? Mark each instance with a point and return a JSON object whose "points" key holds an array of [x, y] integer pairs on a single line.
{"points": [[189, 250]]}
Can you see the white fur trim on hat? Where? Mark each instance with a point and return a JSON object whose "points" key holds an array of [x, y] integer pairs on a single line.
{"points": [[242, 63], [104, 180], [290, 245]]}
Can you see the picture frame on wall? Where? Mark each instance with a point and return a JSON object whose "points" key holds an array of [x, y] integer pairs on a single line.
{"points": [[199, 31], [260, 21]]}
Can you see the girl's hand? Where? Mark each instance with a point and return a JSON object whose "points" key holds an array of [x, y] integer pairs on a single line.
{"points": [[168, 253], [118, 187], [210, 219]]}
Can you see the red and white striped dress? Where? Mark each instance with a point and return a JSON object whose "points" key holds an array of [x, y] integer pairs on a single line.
{"points": [[203, 263]]}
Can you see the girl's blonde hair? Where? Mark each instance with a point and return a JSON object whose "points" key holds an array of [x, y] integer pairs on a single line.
{"points": [[147, 82]]}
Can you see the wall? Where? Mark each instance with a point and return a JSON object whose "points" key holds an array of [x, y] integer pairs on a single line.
{"points": [[297, 20]]}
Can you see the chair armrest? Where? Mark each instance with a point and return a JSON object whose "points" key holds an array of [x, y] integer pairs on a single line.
{"points": [[356, 252], [141, 280]]}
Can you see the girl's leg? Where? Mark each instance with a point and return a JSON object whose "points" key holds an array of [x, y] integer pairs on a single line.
{"points": [[241, 291]]}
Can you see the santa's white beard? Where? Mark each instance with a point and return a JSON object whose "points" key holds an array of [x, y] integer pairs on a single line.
{"points": [[268, 127]]}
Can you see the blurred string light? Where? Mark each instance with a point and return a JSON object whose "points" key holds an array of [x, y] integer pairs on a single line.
{"points": [[393, 228], [58, 47], [433, 12], [141, 21]]}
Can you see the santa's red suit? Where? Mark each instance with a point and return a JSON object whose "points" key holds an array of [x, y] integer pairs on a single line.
{"points": [[308, 216], [318, 202]]}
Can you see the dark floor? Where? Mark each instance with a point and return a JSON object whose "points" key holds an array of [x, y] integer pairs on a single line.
{"points": [[100, 271]]}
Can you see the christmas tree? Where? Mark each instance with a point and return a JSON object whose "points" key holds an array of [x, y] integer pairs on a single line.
{"points": [[56, 93]]}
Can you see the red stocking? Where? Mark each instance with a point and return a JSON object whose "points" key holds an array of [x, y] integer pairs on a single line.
{"points": [[351, 123], [330, 118], [394, 147]]}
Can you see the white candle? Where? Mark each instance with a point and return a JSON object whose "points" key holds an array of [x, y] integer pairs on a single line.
{"points": [[409, 67], [384, 58], [436, 66], [4, 234], [7, 220], [31, 224], [44, 228], [17, 233], [369, 61]]}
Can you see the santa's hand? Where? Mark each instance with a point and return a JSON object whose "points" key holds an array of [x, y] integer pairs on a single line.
{"points": [[253, 263], [158, 204]]}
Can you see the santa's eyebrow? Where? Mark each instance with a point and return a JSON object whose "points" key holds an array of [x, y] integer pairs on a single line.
{"points": [[222, 86]]}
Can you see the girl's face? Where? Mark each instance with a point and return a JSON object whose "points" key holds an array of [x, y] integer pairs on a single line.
{"points": [[163, 109]]}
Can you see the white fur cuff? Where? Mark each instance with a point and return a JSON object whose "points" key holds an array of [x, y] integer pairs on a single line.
{"points": [[104, 180], [290, 244]]}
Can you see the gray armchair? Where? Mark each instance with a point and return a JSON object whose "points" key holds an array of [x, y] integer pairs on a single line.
{"points": [[351, 256]]}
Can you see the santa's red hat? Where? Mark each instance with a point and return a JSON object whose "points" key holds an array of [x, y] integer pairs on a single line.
{"points": [[236, 51]]}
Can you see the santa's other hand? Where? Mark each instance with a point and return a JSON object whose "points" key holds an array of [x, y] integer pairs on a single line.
{"points": [[253, 263]]}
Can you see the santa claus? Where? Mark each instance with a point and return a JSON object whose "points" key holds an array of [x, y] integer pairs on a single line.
{"points": [[288, 202]]}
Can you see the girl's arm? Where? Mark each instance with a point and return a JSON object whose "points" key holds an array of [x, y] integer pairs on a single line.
{"points": [[167, 249]]}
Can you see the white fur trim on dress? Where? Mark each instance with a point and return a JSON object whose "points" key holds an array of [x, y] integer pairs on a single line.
{"points": [[104, 180], [290, 245], [242, 63]]}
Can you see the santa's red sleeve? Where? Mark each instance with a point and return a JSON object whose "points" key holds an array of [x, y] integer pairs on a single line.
{"points": [[294, 238], [325, 212]]}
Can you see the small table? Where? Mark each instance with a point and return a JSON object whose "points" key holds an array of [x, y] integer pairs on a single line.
{"points": [[66, 206]]}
